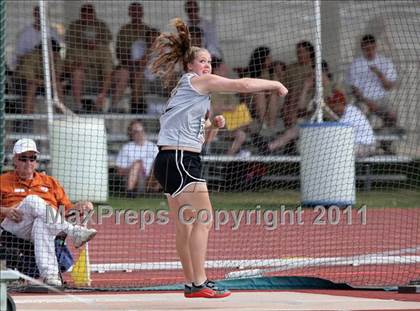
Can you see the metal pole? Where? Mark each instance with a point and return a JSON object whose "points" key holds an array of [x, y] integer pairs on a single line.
{"points": [[46, 61], [318, 63], [213, 12], [2, 79], [6, 276], [3, 287]]}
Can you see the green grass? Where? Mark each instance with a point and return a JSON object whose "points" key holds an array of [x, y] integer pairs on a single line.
{"points": [[273, 199], [400, 198]]}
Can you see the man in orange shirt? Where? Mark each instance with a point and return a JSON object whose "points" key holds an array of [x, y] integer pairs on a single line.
{"points": [[29, 203]]}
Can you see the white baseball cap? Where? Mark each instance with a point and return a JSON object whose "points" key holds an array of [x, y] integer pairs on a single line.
{"points": [[24, 145]]}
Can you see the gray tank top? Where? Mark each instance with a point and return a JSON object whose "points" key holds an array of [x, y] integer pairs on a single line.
{"points": [[182, 123]]}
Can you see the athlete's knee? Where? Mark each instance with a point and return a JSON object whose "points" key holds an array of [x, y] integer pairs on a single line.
{"points": [[189, 217], [204, 219], [183, 229]]}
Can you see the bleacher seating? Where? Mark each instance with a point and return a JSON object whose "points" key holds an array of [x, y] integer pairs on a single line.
{"points": [[282, 168]]}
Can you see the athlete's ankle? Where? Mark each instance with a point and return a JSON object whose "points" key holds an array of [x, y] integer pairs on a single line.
{"points": [[199, 284]]}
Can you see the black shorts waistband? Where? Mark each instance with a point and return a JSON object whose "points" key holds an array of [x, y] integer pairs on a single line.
{"points": [[173, 151]]}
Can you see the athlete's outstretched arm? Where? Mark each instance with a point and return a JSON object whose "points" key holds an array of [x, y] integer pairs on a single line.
{"points": [[210, 83]]}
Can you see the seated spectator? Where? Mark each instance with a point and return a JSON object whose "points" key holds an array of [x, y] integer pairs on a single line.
{"points": [[89, 58], [296, 74], [210, 41], [371, 78], [132, 48], [279, 70], [29, 64], [197, 36], [335, 100], [265, 104], [364, 138], [135, 161], [237, 116], [27, 199], [287, 140]]}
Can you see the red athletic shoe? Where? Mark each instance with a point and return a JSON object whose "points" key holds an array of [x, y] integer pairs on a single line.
{"points": [[187, 291], [207, 290]]}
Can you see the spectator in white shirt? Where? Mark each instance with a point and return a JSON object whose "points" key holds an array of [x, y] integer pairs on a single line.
{"points": [[371, 77], [208, 28], [28, 60], [30, 37], [364, 137], [135, 160]]}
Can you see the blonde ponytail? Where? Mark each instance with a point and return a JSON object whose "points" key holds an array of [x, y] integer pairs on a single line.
{"points": [[169, 49]]}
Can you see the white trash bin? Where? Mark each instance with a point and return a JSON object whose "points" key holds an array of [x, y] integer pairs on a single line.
{"points": [[327, 167], [79, 158]]}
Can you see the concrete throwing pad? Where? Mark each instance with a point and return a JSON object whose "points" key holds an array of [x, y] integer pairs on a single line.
{"points": [[243, 301]]}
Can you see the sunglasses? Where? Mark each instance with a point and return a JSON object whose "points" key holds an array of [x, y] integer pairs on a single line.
{"points": [[26, 158]]}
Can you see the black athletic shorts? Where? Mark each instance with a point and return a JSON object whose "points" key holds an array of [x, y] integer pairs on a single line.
{"points": [[176, 169]]}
